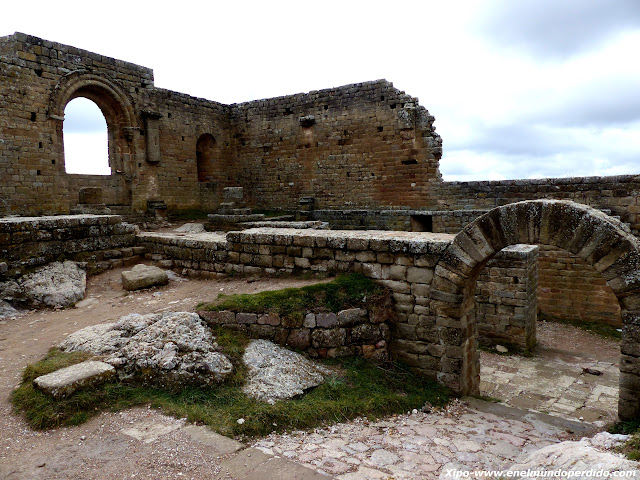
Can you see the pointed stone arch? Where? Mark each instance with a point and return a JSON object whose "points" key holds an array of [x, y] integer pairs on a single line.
{"points": [[586, 232]]}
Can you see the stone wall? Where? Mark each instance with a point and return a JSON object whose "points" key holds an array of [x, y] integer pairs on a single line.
{"points": [[506, 298], [619, 194], [355, 331], [366, 144], [101, 240], [350, 145], [402, 261], [570, 288]]}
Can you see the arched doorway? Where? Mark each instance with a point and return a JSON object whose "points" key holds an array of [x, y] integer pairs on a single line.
{"points": [[588, 233], [114, 188], [205, 157]]}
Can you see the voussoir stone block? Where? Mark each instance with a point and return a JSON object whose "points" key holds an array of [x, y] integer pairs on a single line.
{"points": [[143, 276], [65, 381]]}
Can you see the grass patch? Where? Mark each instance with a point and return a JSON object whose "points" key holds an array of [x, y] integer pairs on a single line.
{"points": [[601, 329], [359, 388], [346, 291], [629, 427]]}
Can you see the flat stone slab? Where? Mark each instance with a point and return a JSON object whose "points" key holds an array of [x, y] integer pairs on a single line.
{"points": [[143, 276], [252, 464], [217, 442], [65, 381], [149, 431]]}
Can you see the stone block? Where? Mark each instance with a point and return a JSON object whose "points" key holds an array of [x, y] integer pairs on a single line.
{"points": [[272, 319], [65, 381], [328, 338], [366, 256], [309, 321], [326, 320], [217, 318], [246, 318], [351, 316], [396, 286], [261, 331], [299, 338], [365, 333], [143, 276], [419, 275]]}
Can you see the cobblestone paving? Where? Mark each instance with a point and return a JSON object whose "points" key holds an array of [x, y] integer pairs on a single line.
{"points": [[414, 446]]}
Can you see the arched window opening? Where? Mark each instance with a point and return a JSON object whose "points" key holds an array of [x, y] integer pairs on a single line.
{"points": [[86, 144], [204, 157]]}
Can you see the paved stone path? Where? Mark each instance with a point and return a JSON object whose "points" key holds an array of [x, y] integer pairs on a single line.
{"points": [[553, 382], [415, 446]]}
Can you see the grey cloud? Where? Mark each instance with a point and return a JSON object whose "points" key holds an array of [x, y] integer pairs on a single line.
{"points": [[518, 139], [534, 151], [552, 28], [609, 102], [83, 116]]}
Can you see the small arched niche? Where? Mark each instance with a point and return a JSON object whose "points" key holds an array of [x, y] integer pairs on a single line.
{"points": [[205, 147], [86, 139]]}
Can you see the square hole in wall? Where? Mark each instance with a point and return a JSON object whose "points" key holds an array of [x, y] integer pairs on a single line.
{"points": [[421, 223]]}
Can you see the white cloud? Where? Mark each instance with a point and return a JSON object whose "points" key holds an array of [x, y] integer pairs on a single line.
{"points": [[86, 153]]}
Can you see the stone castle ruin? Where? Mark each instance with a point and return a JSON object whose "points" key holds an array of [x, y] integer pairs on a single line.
{"points": [[363, 158]]}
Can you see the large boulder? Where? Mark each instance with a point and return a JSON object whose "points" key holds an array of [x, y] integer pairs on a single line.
{"points": [[276, 373], [143, 276], [170, 349], [58, 284], [584, 456]]}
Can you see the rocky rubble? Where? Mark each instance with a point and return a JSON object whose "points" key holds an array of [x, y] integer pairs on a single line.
{"points": [[170, 349], [7, 311]]}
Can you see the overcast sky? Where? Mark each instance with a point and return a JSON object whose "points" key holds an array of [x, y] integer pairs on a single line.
{"points": [[519, 88]]}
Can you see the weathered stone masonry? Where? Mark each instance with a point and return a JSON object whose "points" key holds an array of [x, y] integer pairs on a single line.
{"points": [[433, 276], [360, 149], [103, 241], [351, 145], [365, 145]]}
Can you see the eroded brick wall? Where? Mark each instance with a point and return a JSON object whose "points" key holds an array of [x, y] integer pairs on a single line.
{"points": [[570, 288], [366, 144]]}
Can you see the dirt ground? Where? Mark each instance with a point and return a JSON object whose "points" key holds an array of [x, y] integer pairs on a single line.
{"points": [[99, 449], [102, 448]]}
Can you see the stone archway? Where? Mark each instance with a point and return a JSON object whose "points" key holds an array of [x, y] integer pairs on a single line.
{"points": [[588, 233], [119, 114]]}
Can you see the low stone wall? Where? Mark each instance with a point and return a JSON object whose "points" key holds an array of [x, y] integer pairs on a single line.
{"points": [[198, 254], [100, 240], [355, 331], [402, 261], [503, 314], [506, 298]]}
